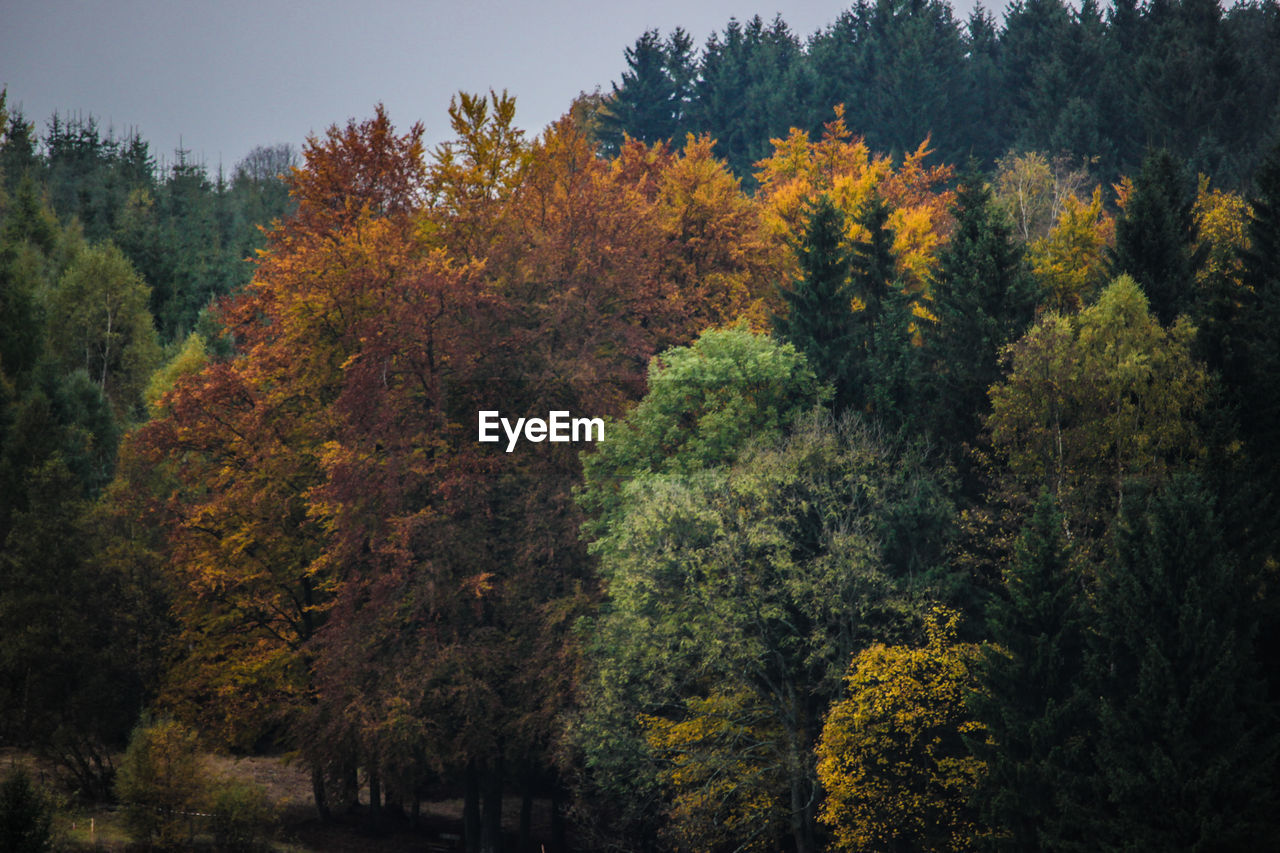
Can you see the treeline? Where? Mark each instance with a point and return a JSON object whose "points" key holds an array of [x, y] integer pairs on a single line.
{"points": [[936, 510], [1101, 82], [107, 263]]}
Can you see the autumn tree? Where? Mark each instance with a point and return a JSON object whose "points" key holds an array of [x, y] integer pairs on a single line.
{"points": [[250, 432], [1093, 400], [1070, 262], [892, 756]]}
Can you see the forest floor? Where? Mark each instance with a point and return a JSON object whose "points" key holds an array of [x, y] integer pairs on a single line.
{"points": [[297, 828]]}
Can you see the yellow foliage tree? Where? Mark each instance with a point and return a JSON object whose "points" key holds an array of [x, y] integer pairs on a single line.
{"points": [[1221, 219], [725, 770], [892, 757], [843, 167], [1070, 262]]}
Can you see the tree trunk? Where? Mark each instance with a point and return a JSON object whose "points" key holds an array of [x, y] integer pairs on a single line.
{"points": [[526, 820], [558, 842], [491, 830], [318, 791], [471, 809], [375, 797]]}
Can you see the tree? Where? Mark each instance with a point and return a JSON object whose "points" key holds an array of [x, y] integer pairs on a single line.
{"points": [[1070, 261], [704, 403], [651, 103], [878, 58], [25, 816], [1253, 383], [751, 86], [1182, 759], [161, 781], [1156, 239], [1030, 700], [1093, 401], [99, 322], [735, 596], [819, 317], [983, 299], [892, 757]]}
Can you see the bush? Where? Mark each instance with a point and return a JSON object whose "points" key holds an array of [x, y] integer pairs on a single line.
{"points": [[161, 781], [25, 814], [241, 814]]}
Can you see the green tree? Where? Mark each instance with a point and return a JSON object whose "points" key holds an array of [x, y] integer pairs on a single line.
{"points": [[735, 596], [1091, 402], [1156, 239], [705, 402], [751, 87], [1184, 757], [25, 815], [984, 299], [161, 780], [1029, 700], [651, 102], [819, 316], [873, 281], [99, 322]]}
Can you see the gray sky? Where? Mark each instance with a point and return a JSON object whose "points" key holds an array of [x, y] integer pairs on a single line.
{"points": [[225, 75]]}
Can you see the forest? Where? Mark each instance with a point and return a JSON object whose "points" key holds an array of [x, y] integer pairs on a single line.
{"points": [[935, 509]]}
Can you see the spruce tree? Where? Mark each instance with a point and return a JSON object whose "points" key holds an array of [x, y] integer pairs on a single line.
{"points": [[1030, 701], [877, 360], [818, 321], [649, 104], [984, 298], [1257, 382], [1185, 752], [1156, 238]]}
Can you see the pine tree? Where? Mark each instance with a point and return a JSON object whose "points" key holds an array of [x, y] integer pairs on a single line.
{"points": [[983, 298], [1030, 700], [1257, 383], [1156, 238], [1183, 757], [650, 103], [874, 281], [819, 321]]}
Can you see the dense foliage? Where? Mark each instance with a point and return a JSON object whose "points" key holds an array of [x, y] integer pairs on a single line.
{"points": [[935, 507]]}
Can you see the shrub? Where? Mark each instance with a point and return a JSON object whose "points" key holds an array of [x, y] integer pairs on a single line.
{"points": [[25, 814], [241, 814], [161, 781]]}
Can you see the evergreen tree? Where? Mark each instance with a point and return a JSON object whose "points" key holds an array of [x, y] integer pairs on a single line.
{"points": [[1036, 59], [1185, 751], [1258, 380], [1156, 238], [984, 299], [1030, 700], [818, 321], [1188, 88], [894, 362], [751, 86], [873, 277], [899, 67], [651, 101]]}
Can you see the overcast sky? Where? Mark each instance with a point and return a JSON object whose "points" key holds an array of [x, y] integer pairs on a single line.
{"points": [[222, 77]]}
